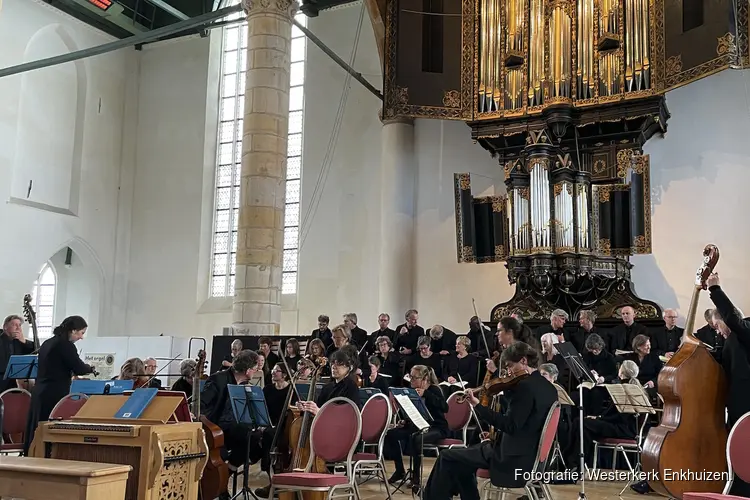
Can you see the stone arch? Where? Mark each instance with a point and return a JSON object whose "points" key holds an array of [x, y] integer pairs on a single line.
{"points": [[50, 126]]}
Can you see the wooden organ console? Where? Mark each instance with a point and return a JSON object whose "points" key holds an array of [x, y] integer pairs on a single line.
{"points": [[167, 458]]}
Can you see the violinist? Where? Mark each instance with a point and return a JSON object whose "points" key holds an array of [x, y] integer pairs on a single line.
{"points": [[462, 365], [735, 359], [12, 342], [514, 452], [509, 331], [342, 385], [406, 437], [216, 405], [58, 361], [316, 353], [135, 370]]}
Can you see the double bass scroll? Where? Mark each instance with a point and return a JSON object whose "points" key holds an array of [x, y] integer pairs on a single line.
{"points": [[692, 435]]}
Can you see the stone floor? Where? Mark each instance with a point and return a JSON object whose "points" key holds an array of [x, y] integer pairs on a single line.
{"points": [[600, 490]]}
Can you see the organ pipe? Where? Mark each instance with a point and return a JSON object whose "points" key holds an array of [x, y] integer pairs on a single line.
{"points": [[520, 221], [564, 234], [530, 53], [540, 206], [582, 213]]}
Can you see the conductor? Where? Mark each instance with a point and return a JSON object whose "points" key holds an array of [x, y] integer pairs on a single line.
{"points": [[58, 361]]}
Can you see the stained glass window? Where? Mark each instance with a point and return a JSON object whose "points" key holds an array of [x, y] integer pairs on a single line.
{"points": [[229, 157]]}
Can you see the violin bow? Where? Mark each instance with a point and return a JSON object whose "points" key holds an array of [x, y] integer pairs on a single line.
{"points": [[481, 328], [471, 408]]}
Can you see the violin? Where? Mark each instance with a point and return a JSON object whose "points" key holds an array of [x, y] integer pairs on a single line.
{"points": [[495, 386]]}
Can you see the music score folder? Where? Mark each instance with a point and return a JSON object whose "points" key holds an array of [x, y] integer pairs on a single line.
{"points": [[136, 403]]}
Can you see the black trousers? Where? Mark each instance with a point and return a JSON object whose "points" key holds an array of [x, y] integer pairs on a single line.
{"points": [[407, 440], [243, 441], [455, 472], [593, 429]]}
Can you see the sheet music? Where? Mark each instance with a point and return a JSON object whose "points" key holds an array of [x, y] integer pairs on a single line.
{"points": [[562, 397], [619, 352], [411, 412], [629, 398], [456, 384]]}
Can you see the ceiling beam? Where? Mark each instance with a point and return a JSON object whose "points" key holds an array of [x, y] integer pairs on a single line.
{"points": [[169, 9], [376, 11]]}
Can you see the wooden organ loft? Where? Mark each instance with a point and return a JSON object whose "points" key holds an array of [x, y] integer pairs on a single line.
{"points": [[564, 94]]}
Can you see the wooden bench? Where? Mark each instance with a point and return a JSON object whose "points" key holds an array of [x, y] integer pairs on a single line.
{"points": [[50, 479]]}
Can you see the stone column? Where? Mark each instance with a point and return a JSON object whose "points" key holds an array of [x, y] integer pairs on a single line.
{"points": [[260, 238], [397, 213]]}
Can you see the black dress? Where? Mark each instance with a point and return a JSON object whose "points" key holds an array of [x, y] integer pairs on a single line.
{"points": [[467, 368], [58, 362], [183, 385], [9, 347]]}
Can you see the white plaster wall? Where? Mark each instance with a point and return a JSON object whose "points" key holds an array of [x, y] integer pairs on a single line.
{"points": [[82, 177], [340, 252]]}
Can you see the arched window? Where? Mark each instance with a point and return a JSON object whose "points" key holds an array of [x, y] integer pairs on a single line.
{"points": [[229, 158], [43, 300]]}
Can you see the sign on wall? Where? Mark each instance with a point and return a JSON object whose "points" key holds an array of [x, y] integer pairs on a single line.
{"points": [[102, 363]]}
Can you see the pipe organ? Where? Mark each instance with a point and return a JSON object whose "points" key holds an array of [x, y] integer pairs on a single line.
{"points": [[563, 94]]}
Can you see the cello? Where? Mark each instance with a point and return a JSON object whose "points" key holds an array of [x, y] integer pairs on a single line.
{"points": [[215, 480], [692, 435]]}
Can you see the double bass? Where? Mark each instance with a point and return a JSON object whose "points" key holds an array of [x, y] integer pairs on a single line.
{"points": [[215, 479], [692, 435], [30, 315]]}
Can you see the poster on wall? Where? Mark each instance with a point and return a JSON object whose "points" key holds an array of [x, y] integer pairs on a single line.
{"points": [[102, 363]]}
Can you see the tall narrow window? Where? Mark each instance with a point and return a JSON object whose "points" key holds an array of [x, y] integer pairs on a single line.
{"points": [[432, 36], [43, 300], [229, 158]]}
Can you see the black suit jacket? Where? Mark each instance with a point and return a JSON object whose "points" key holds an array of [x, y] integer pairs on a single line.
{"points": [[326, 336], [521, 427], [621, 337], [359, 337], [215, 395], [664, 341], [579, 337]]}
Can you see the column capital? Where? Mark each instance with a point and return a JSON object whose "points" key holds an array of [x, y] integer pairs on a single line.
{"points": [[286, 8]]}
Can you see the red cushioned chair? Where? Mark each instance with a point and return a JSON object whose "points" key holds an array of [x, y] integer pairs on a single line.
{"points": [[458, 417], [334, 436], [738, 460], [624, 446], [549, 430], [16, 407], [376, 417], [68, 406]]}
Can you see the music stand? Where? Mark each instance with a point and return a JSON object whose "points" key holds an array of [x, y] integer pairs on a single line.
{"points": [[249, 408], [416, 401], [22, 367], [578, 368], [366, 393]]}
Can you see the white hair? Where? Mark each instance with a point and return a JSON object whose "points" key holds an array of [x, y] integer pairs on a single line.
{"points": [[559, 313]]}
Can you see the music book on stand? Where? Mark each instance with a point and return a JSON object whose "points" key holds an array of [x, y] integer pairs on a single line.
{"points": [[22, 366], [366, 393], [562, 396], [136, 404], [630, 398], [249, 405], [412, 406]]}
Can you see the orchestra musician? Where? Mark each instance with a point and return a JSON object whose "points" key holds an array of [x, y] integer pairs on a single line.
{"points": [[735, 359], [514, 450], [58, 362], [12, 342], [406, 437], [275, 395], [408, 333], [708, 334], [185, 382], [151, 367], [551, 355], [216, 405], [649, 364], [342, 385], [263, 373], [134, 369], [235, 349], [341, 337], [621, 337], [270, 358], [610, 424]]}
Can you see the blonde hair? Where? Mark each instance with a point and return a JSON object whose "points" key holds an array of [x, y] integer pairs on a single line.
{"points": [[132, 369], [341, 329], [426, 373], [464, 340]]}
